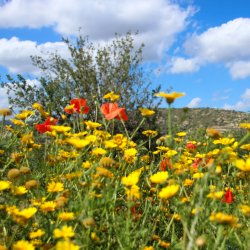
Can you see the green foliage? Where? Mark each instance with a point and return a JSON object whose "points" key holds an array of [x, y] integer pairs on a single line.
{"points": [[88, 72]]}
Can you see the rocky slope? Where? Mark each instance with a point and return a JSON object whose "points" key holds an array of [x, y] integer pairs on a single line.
{"points": [[194, 118]]}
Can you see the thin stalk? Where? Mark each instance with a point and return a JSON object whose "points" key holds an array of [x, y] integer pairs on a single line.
{"points": [[126, 131], [244, 139], [169, 121], [142, 121]]}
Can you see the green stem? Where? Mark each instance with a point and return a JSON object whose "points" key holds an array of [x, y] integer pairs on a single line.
{"points": [[169, 121], [142, 121], [126, 131], [244, 139], [219, 236]]}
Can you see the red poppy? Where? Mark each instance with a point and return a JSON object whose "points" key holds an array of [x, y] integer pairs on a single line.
{"points": [[165, 163], [196, 163], [191, 146], [77, 105], [111, 111], [228, 197], [44, 127]]}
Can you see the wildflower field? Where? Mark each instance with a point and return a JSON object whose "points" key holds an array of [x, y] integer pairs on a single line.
{"points": [[76, 184]]}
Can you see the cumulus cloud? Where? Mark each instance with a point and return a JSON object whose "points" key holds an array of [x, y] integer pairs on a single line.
{"points": [[239, 69], [182, 65], [227, 44], [15, 54], [195, 102], [243, 104], [158, 21], [4, 103], [3, 98]]}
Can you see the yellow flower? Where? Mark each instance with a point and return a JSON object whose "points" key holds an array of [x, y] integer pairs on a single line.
{"points": [[224, 219], [170, 153], [37, 106], [92, 125], [108, 162], [77, 142], [104, 172], [66, 216], [40, 109], [98, 152], [86, 164], [23, 245], [65, 232], [24, 114], [133, 192], [169, 191], [243, 165], [245, 125], [148, 248], [110, 144], [19, 190], [164, 244], [27, 213], [224, 141], [159, 177], [112, 96], [4, 185], [60, 129], [181, 134], [150, 133], [188, 182], [245, 209], [54, 187], [66, 245], [131, 179], [245, 146], [36, 234], [146, 112], [2, 247], [64, 117], [216, 195], [130, 155], [27, 139], [170, 97], [91, 138], [94, 237], [198, 175], [48, 206], [196, 210], [213, 133], [5, 112], [18, 122]]}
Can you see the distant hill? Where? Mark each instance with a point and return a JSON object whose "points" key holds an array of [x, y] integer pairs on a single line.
{"points": [[193, 118]]}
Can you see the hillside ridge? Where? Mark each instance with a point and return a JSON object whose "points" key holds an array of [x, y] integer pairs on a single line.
{"points": [[194, 118]]}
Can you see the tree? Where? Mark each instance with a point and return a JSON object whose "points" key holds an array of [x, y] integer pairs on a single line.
{"points": [[89, 72]]}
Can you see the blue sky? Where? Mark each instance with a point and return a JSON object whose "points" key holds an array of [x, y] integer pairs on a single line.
{"points": [[200, 47]]}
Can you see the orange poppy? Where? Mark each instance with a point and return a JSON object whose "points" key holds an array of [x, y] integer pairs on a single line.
{"points": [[112, 110], [77, 105], [44, 127]]}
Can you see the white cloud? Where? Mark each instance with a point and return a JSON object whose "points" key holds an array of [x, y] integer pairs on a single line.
{"points": [[4, 103], [195, 102], [239, 69], [227, 44], [243, 104], [15, 54], [182, 65], [158, 21], [3, 98]]}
